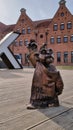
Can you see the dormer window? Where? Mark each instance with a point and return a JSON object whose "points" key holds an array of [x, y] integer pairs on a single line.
{"points": [[69, 25]]}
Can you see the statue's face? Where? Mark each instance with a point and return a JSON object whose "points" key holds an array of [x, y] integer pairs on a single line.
{"points": [[46, 58], [42, 58], [49, 60]]}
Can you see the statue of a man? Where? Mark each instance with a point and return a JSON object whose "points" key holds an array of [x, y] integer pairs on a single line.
{"points": [[47, 83]]}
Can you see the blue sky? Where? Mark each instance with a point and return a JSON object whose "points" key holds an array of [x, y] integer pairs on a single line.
{"points": [[35, 9]]}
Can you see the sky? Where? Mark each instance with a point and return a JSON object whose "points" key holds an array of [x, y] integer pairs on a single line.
{"points": [[35, 9]]}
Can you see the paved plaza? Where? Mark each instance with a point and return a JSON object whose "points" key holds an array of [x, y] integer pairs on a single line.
{"points": [[15, 88]]}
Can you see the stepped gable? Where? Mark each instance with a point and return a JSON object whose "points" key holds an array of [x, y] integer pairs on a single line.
{"points": [[24, 21], [62, 11]]}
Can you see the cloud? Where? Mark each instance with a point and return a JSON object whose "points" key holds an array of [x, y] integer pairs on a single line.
{"points": [[35, 9]]}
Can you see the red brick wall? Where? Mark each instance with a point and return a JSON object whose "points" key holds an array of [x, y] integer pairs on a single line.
{"points": [[44, 30]]}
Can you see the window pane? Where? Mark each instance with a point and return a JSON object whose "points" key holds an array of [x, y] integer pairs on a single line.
{"points": [[72, 57], [23, 31], [69, 25], [55, 27], [28, 30], [59, 40], [62, 14], [58, 56], [52, 40], [26, 42], [65, 39], [62, 26], [71, 38], [65, 57]]}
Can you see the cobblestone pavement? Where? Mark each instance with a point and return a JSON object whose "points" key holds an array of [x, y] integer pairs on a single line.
{"points": [[15, 88]]}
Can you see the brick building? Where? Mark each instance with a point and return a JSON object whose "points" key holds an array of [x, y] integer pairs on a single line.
{"points": [[56, 32]]}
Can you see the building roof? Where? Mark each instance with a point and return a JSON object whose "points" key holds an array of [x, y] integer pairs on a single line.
{"points": [[5, 28], [44, 22], [2, 27]]}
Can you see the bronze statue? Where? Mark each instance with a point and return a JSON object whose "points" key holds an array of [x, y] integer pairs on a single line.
{"points": [[47, 83]]}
